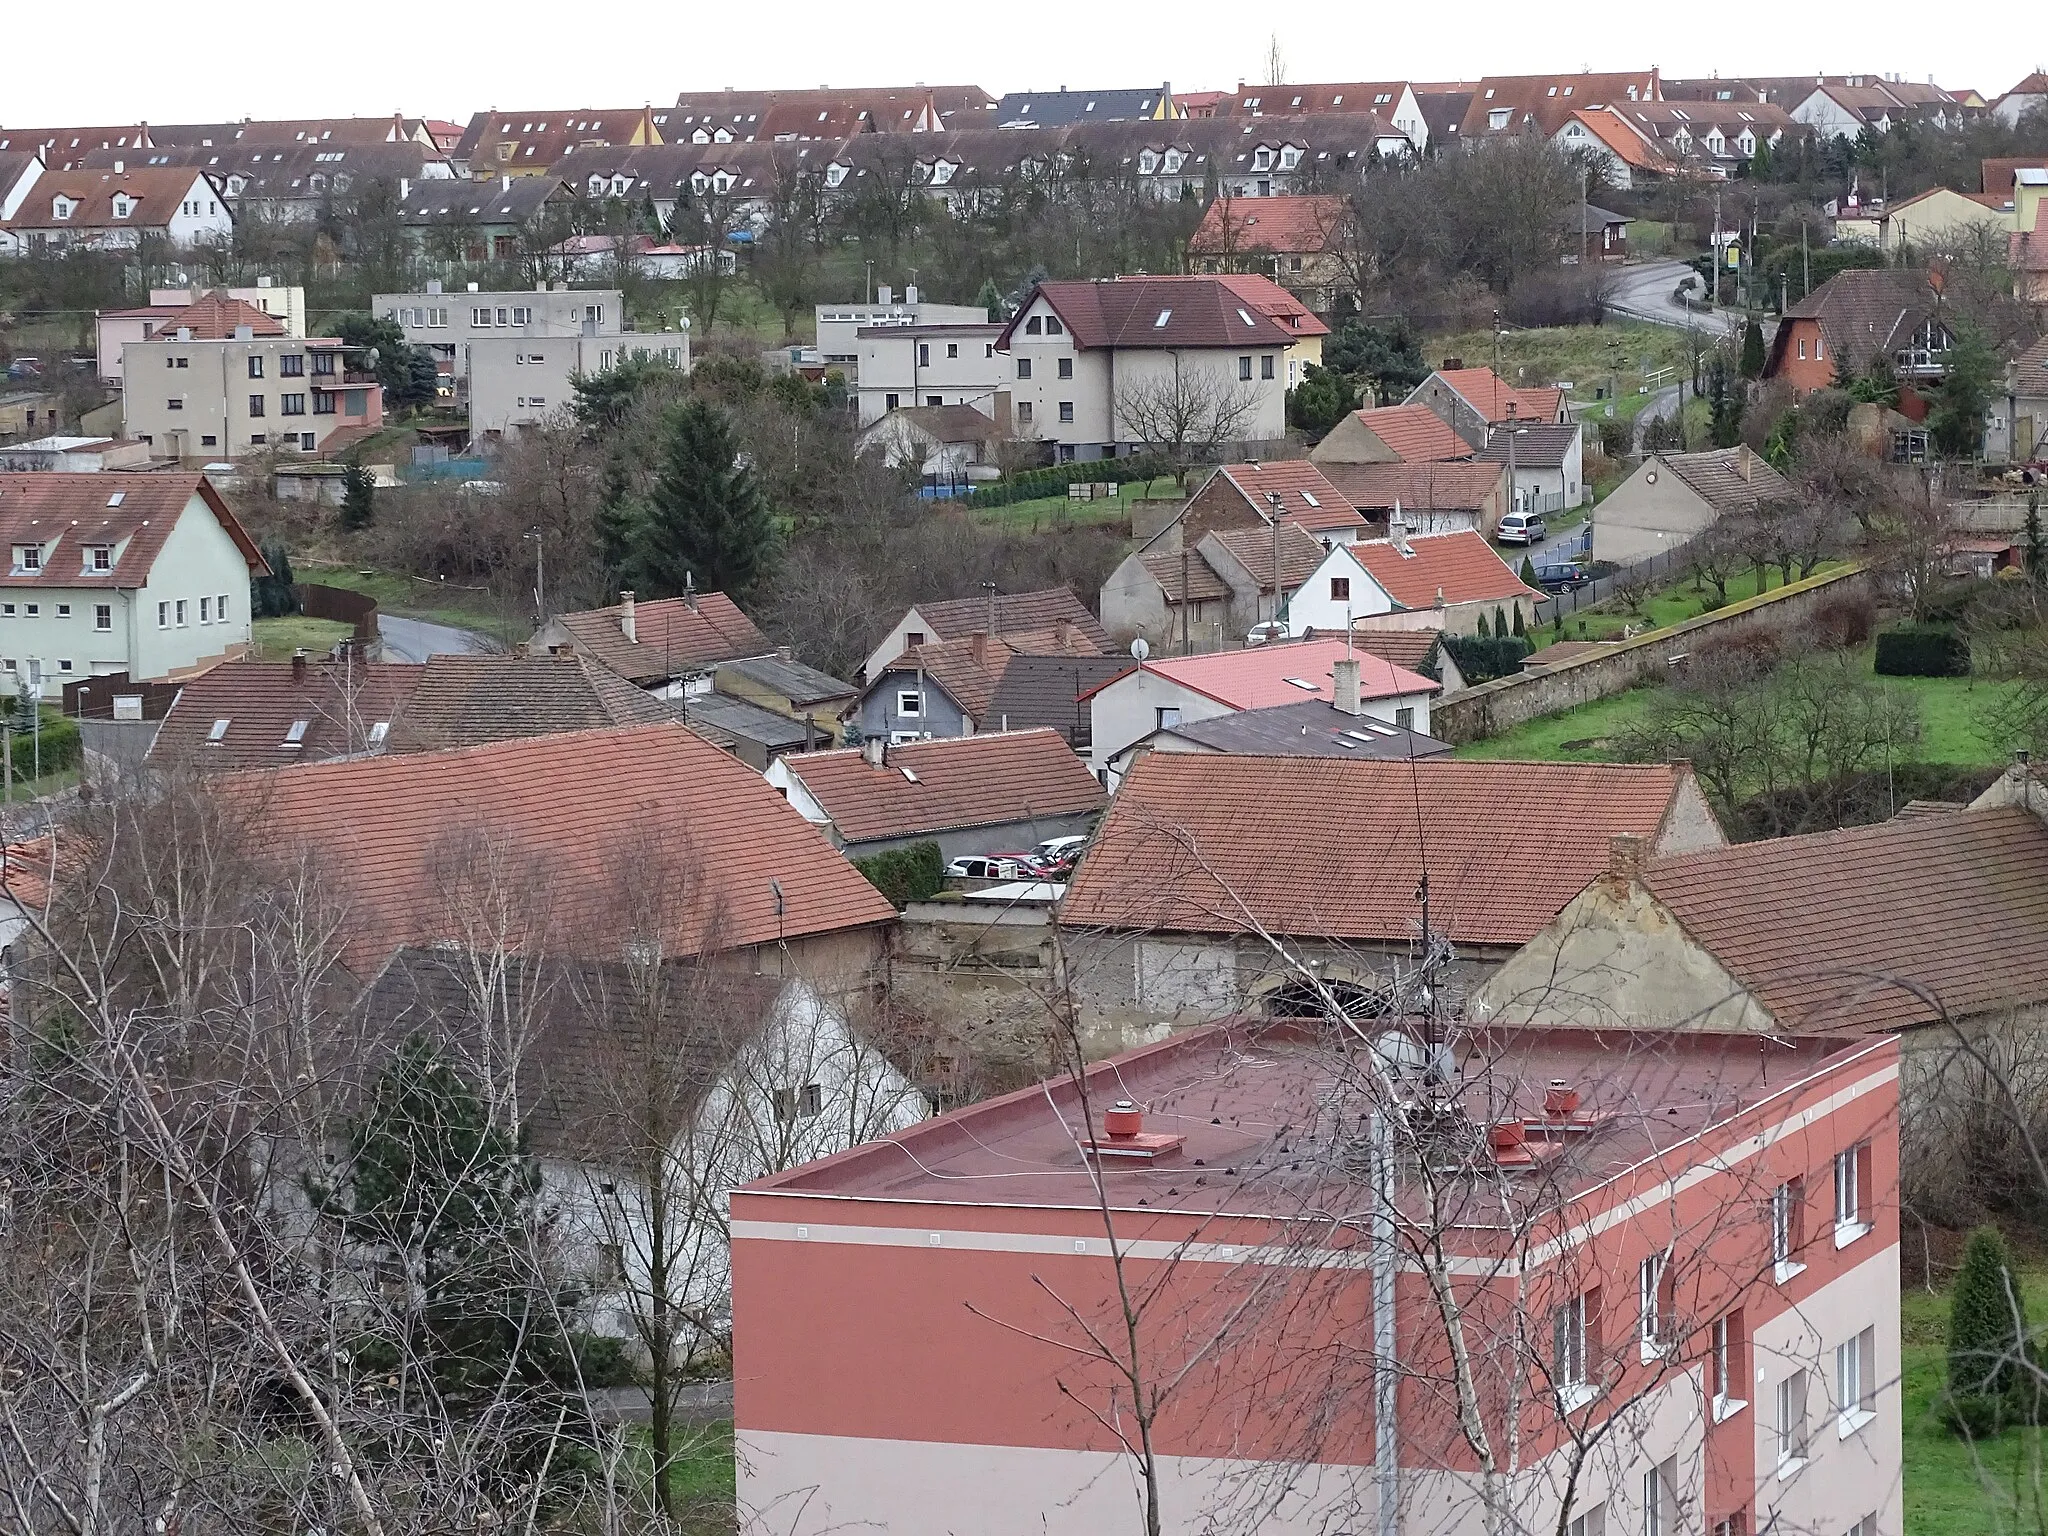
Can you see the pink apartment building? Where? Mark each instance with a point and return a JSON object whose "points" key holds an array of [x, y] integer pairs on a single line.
{"points": [[1615, 1284]]}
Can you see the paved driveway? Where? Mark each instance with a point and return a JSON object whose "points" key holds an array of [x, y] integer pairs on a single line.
{"points": [[416, 639], [1646, 291]]}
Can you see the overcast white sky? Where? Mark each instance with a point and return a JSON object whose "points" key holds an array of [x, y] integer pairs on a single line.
{"points": [[377, 56]]}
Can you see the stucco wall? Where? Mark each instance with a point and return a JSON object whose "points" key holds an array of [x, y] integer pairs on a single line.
{"points": [[1493, 707]]}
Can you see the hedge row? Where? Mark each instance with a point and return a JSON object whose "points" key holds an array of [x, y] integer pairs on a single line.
{"points": [[904, 875], [1922, 650], [62, 747], [1481, 660], [1055, 478]]}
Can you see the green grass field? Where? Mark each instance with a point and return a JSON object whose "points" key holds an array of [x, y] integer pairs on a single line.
{"points": [[1589, 356], [409, 597], [1669, 605], [276, 639], [1043, 513]]}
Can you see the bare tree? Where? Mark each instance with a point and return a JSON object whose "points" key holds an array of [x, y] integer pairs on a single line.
{"points": [[1184, 413]]}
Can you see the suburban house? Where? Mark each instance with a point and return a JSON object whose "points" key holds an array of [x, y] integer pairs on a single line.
{"points": [[609, 816], [1335, 727], [112, 209], [2026, 409], [1105, 368], [971, 794], [64, 149], [672, 648], [946, 444], [788, 687], [1164, 692], [146, 575], [1649, 1321], [219, 379], [1210, 592], [947, 688], [495, 220], [1471, 401], [28, 412], [766, 1072], [19, 170], [1203, 861], [1445, 581], [1391, 434], [998, 614], [1942, 221], [843, 329], [1394, 100], [1061, 108], [1295, 241], [527, 144], [1768, 938], [1419, 650], [293, 182], [258, 714], [1628, 157], [284, 303], [1433, 496], [1718, 139], [1048, 692], [1545, 462], [1240, 496], [1510, 105], [1672, 496], [1855, 317], [951, 363]]}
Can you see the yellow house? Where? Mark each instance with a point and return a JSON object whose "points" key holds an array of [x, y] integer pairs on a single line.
{"points": [[1942, 219]]}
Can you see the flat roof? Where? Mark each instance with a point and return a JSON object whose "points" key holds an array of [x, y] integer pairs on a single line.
{"points": [[1266, 1137]]}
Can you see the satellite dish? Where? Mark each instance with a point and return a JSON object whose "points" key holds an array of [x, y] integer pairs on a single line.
{"points": [[1140, 648]]}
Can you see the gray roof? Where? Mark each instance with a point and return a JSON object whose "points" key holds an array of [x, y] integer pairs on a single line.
{"points": [[791, 680], [1597, 218], [1059, 109], [751, 722], [466, 701], [1538, 445], [1044, 690], [1729, 479], [507, 201], [1312, 728]]}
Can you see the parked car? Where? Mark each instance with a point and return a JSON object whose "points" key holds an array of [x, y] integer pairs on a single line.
{"points": [[1262, 634], [1521, 528], [1561, 578], [1057, 856], [989, 866]]}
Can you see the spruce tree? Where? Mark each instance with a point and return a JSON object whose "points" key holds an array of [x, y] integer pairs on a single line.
{"points": [[358, 498], [2036, 556], [1752, 350], [706, 523], [1989, 1384], [1528, 572]]}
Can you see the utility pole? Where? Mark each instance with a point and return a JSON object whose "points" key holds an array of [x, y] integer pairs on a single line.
{"points": [[1273, 501], [1805, 263], [1496, 343], [1718, 249], [1186, 600], [1582, 221]]}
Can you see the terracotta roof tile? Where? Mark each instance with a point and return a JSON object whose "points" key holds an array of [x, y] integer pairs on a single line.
{"points": [[1861, 312], [469, 701], [1261, 294], [671, 637], [1491, 395], [592, 809], [262, 700], [1307, 498], [1415, 433], [1283, 225], [969, 781], [68, 513], [2031, 370], [214, 316], [1462, 566], [1202, 584], [1454, 486], [951, 618], [1126, 312], [156, 190], [1956, 904], [1212, 844], [1300, 552], [1413, 649]]}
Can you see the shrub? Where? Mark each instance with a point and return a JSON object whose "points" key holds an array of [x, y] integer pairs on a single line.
{"points": [[62, 746], [1922, 650], [904, 875], [1053, 479], [1987, 1342], [1843, 622], [1482, 658]]}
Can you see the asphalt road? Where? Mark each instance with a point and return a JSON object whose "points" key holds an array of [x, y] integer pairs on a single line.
{"points": [[1646, 294], [416, 639]]}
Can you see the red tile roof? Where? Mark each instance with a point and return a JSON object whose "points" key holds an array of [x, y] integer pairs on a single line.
{"points": [[1262, 676], [1627, 142], [1015, 613], [214, 316], [1450, 486], [938, 786], [1462, 567], [1415, 433], [1283, 225], [1127, 312], [157, 191], [1546, 101], [260, 701], [671, 637], [66, 513], [1817, 926], [1491, 395], [593, 817], [1217, 844], [1307, 498], [1253, 548]]}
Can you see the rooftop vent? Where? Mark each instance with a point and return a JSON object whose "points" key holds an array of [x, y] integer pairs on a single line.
{"points": [[1125, 1139]]}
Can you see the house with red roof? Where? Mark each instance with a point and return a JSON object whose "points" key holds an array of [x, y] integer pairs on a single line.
{"points": [[1252, 495], [1209, 590], [1471, 401], [113, 207], [1293, 240], [1447, 581], [1392, 434], [1165, 691], [1110, 367]]}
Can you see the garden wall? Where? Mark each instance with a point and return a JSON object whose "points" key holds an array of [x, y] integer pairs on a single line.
{"points": [[1493, 707]]}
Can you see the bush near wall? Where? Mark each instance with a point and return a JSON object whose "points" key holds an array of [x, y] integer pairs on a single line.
{"points": [[1922, 650], [904, 875], [1481, 660], [62, 746], [1055, 478]]}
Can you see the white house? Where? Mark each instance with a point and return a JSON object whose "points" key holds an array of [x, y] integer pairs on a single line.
{"points": [[839, 325], [143, 574], [1445, 581], [748, 1074], [939, 364], [114, 209], [1161, 693]]}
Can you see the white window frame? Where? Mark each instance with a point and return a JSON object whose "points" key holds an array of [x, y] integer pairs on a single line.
{"points": [[1790, 1430], [909, 704], [1850, 1210], [103, 618], [1855, 1383], [1660, 1499], [1653, 1328], [1724, 1359], [1785, 1200], [1569, 1355]]}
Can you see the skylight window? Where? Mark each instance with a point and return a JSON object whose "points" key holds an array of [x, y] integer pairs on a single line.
{"points": [[1164, 316], [1310, 498], [219, 733], [296, 736], [115, 499], [1246, 317], [1305, 685], [378, 732], [909, 776]]}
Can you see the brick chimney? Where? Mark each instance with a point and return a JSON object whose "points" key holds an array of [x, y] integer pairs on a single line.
{"points": [[1625, 857], [299, 665], [876, 750], [1745, 462], [978, 648], [1346, 674], [627, 624]]}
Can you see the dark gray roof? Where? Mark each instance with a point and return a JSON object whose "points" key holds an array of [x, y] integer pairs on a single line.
{"points": [[1059, 109], [791, 680], [1538, 445], [1043, 690], [513, 200], [467, 701], [1597, 218], [1313, 728], [750, 722]]}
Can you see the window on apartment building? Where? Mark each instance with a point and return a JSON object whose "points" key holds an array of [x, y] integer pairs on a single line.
{"points": [[220, 609], [323, 401], [63, 610], [1656, 1304], [291, 405], [1575, 1349], [175, 403], [32, 610], [64, 664], [258, 439], [805, 1103], [255, 405], [1023, 367], [1788, 1226], [891, 401], [206, 610], [934, 399], [163, 615], [307, 442], [909, 702], [480, 318], [208, 440], [1066, 367], [1737, 1524], [1660, 1499], [182, 621], [924, 354], [103, 617], [1340, 589], [1023, 413], [256, 367], [323, 363], [1266, 366], [1852, 1184], [1592, 1522], [1867, 1526], [522, 314], [1728, 1364], [6, 610], [437, 319], [501, 316], [1791, 1423], [292, 365], [952, 349], [1856, 1382], [1066, 410], [1244, 369]]}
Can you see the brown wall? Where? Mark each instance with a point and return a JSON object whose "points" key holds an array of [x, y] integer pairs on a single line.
{"points": [[341, 605]]}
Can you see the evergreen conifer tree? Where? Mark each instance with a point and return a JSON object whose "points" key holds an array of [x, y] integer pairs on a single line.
{"points": [[1752, 350], [1988, 1379], [706, 523], [358, 497]]}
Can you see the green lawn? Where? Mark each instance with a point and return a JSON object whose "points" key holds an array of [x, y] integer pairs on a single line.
{"points": [[276, 639], [409, 597], [1670, 605], [1955, 1487], [1051, 512], [1620, 352]]}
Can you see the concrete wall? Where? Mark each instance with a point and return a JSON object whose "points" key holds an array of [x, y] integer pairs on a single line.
{"points": [[1491, 708]]}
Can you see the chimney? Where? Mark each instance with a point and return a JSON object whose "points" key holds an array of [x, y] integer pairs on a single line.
{"points": [[876, 750], [885, 293], [1347, 700], [1745, 462], [299, 665], [1560, 1100], [519, 651], [245, 333], [690, 590], [627, 624], [910, 293], [433, 285], [977, 646], [184, 333], [1123, 1120], [1625, 858]]}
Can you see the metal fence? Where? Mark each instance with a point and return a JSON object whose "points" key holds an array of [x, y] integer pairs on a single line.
{"points": [[1660, 567]]}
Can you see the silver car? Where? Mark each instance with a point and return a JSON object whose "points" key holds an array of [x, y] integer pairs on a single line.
{"points": [[1521, 528]]}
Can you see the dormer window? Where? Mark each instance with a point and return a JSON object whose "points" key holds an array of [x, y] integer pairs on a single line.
{"points": [[99, 557], [942, 172], [123, 205], [1499, 117], [61, 207], [1147, 163], [834, 175], [1261, 159], [1290, 157], [28, 557], [1173, 161]]}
